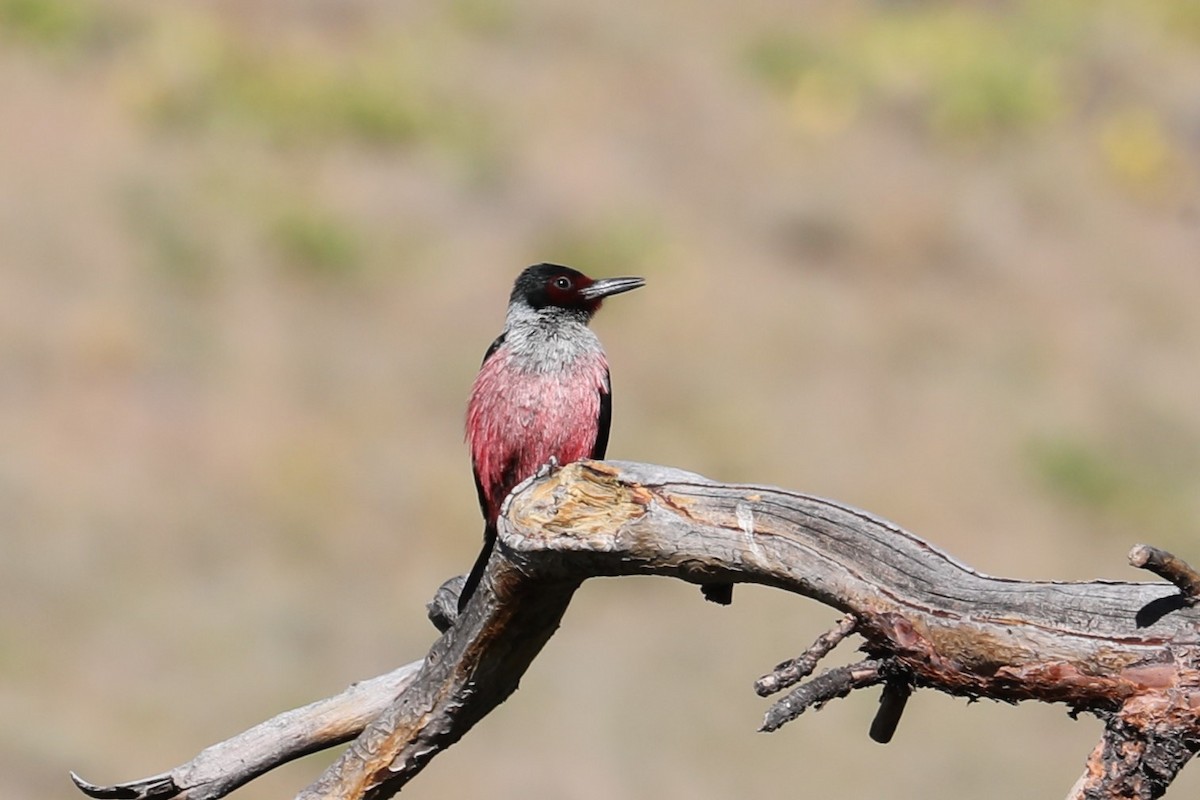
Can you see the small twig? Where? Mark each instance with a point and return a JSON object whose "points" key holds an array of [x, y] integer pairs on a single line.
{"points": [[829, 685], [799, 668], [1169, 567]]}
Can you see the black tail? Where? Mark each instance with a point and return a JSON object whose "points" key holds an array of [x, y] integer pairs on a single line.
{"points": [[489, 541]]}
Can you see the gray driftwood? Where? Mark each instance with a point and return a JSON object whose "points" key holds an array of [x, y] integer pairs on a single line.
{"points": [[1127, 652]]}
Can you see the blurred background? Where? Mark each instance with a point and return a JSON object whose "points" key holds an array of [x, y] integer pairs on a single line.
{"points": [[937, 260]]}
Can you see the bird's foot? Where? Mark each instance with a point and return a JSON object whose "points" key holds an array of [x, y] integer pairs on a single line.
{"points": [[547, 469]]}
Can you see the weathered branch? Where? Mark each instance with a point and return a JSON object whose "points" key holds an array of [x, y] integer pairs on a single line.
{"points": [[220, 769], [1126, 651]]}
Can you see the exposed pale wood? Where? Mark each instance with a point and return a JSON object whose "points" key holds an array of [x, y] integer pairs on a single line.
{"points": [[1126, 651]]}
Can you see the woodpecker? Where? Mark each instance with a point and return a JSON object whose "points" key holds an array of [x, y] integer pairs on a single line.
{"points": [[542, 392]]}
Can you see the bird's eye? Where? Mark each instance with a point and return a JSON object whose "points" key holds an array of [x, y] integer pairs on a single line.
{"points": [[562, 283]]}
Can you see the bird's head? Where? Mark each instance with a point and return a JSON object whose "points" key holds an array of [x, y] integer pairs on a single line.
{"points": [[552, 287]]}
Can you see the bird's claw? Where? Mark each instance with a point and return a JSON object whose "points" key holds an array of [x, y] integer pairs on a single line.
{"points": [[545, 470]]}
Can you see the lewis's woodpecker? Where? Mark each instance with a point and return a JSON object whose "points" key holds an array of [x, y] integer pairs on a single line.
{"points": [[542, 392]]}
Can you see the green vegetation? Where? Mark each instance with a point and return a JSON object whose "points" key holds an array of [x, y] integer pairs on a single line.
{"points": [[46, 22], [317, 242], [1080, 473], [781, 58], [487, 17], [1133, 486], [292, 97], [1137, 149], [177, 249], [964, 71], [192, 72]]}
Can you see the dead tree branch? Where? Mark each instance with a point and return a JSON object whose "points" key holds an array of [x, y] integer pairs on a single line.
{"points": [[1128, 652], [220, 769]]}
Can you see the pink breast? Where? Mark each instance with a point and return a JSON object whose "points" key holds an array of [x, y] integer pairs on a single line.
{"points": [[517, 420]]}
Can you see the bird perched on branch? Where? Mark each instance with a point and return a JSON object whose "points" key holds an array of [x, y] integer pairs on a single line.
{"points": [[543, 390]]}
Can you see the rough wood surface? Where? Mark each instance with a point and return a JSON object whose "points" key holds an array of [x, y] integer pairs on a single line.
{"points": [[1125, 651]]}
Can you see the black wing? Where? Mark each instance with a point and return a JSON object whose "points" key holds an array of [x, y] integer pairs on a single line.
{"points": [[479, 491], [605, 420], [491, 351]]}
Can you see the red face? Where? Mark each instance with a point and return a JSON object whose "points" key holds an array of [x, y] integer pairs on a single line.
{"points": [[544, 285], [564, 290], [554, 285]]}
